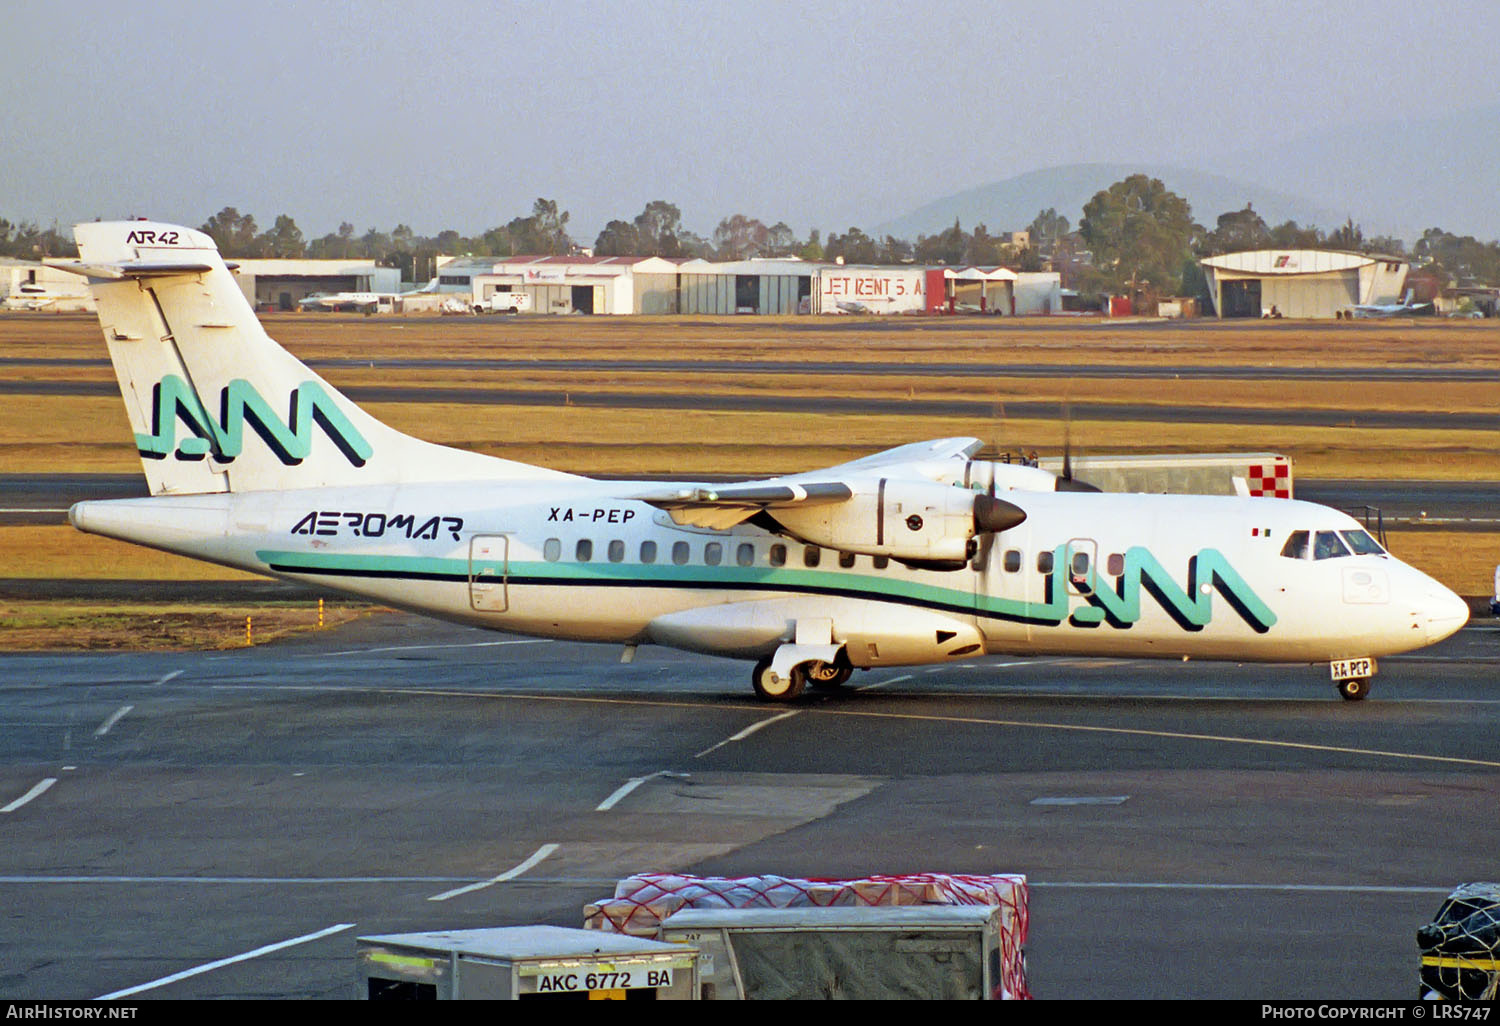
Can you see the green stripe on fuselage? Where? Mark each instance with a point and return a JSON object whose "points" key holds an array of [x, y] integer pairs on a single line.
{"points": [[1192, 607]]}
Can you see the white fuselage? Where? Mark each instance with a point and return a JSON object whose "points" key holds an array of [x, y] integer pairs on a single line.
{"points": [[1129, 575]]}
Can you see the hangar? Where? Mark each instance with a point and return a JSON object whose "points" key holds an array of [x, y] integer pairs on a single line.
{"points": [[282, 284], [1314, 283]]}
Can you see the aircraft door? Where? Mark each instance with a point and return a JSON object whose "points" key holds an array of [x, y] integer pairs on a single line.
{"points": [[488, 571]]}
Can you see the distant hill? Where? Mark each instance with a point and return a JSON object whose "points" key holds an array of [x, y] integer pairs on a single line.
{"points": [[1397, 177], [1012, 204]]}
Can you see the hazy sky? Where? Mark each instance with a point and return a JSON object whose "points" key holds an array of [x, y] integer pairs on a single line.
{"points": [[823, 114]]}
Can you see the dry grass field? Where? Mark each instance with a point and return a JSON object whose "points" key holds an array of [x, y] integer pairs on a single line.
{"points": [[90, 434], [132, 626]]}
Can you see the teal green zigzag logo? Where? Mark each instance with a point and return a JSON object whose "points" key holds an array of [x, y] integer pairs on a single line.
{"points": [[1117, 602], [174, 401]]}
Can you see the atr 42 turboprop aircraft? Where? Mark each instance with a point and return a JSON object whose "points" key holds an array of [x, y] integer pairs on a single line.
{"points": [[920, 554]]}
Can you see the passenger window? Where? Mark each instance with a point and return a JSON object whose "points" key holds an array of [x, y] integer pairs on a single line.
{"points": [[1044, 562], [1296, 546], [812, 556], [1080, 564], [648, 552], [1328, 546], [1362, 543], [584, 550], [713, 553], [616, 551], [778, 555], [745, 555], [880, 562], [552, 550], [1115, 565], [846, 560], [679, 553], [1012, 560]]}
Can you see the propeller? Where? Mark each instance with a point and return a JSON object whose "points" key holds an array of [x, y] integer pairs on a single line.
{"points": [[1066, 482]]}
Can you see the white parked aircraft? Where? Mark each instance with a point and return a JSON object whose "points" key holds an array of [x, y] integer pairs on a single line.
{"points": [[915, 555], [1364, 311]]}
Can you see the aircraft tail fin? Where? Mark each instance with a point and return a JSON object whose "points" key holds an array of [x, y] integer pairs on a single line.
{"points": [[217, 405]]}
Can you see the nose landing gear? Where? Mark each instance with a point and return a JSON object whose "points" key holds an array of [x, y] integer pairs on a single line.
{"points": [[1355, 689]]}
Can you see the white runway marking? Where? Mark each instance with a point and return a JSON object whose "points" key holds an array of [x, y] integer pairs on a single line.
{"points": [[509, 874], [414, 648], [114, 717], [621, 792], [34, 792], [162, 680], [883, 683], [1117, 799], [747, 732], [209, 967], [630, 785]]}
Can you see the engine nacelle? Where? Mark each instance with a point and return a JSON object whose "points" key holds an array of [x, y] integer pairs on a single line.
{"points": [[916, 522]]}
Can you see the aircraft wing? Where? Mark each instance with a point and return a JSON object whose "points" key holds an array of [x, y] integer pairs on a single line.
{"points": [[721, 506], [916, 452]]}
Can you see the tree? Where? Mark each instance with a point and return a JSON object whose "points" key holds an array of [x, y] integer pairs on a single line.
{"points": [[1349, 236], [740, 238], [1289, 235], [855, 247], [812, 249], [1238, 230], [983, 249], [1139, 232], [946, 247], [284, 240], [619, 238], [1047, 229], [659, 230], [232, 232], [550, 227], [781, 241]]}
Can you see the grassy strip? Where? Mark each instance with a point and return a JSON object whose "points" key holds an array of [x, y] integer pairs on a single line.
{"points": [[35, 625], [47, 434], [58, 551]]}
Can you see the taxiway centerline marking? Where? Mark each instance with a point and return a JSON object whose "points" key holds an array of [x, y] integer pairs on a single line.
{"points": [[882, 683], [748, 731], [114, 717], [413, 648], [509, 874], [210, 966], [624, 789], [34, 792]]}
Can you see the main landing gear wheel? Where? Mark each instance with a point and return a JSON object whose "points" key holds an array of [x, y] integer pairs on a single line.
{"points": [[1354, 690], [828, 676], [771, 688]]}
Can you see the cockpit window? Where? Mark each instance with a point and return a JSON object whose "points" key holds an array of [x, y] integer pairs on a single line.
{"points": [[1296, 546], [1362, 543], [1328, 546]]}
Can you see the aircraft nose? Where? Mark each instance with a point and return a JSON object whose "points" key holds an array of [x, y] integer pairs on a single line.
{"points": [[1445, 612]]}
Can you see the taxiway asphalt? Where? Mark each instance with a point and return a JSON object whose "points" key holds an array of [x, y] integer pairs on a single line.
{"points": [[1190, 830]]}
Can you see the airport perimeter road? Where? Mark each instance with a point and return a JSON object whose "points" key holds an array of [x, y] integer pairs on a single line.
{"points": [[225, 824]]}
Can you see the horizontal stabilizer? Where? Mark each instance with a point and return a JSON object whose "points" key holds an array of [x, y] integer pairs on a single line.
{"points": [[132, 268]]}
